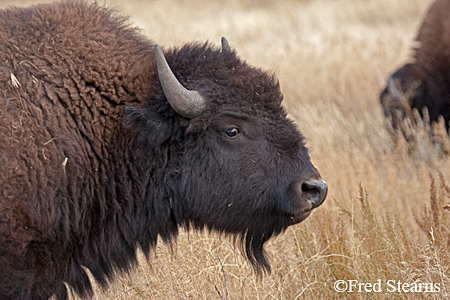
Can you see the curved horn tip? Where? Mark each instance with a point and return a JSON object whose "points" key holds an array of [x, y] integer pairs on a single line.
{"points": [[225, 45], [159, 56]]}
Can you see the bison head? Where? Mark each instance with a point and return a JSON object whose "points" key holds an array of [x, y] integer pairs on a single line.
{"points": [[405, 90], [229, 158]]}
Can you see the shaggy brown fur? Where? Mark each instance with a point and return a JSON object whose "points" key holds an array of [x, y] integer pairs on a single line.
{"points": [[95, 162], [66, 71], [426, 81]]}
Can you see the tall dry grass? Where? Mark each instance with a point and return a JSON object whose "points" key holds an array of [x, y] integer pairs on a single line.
{"points": [[386, 216]]}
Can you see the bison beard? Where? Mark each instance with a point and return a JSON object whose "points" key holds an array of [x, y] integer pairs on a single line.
{"points": [[103, 151]]}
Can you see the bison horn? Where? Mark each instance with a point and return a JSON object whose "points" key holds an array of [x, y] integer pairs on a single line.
{"points": [[225, 45], [187, 103]]}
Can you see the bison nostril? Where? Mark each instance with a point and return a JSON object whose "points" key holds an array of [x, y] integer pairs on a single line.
{"points": [[316, 190]]}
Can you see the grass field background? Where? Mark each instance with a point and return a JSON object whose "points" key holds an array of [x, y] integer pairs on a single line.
{"points": [[384, 216]]}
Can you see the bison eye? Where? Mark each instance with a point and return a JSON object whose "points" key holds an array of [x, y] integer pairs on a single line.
{"points": [[232, 133]]}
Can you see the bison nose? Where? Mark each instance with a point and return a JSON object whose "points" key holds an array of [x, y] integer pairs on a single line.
{"points": [[316, 190]]}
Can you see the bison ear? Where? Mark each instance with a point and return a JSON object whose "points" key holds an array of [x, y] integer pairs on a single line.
{"points": [[134, 116], [151, 126]]}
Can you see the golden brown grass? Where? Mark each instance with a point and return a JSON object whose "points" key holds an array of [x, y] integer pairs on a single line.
{"points": [[386, 216]]}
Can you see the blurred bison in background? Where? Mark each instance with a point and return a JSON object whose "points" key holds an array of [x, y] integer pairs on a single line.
{"points": [[426, 81], [103, 149]]}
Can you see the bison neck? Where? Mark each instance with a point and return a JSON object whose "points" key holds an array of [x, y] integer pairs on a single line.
{"points": [[131, 208], [115, 200]]}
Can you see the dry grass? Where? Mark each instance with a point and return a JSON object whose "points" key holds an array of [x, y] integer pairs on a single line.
{"points": [[384, 218]]}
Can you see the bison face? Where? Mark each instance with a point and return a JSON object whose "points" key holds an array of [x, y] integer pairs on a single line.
{"points": [[239, 165], [404, 91], [248, 175], [247, 171]]}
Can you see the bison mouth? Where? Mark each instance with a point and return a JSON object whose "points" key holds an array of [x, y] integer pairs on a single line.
{"points": [[303, 199], [295, 218]]}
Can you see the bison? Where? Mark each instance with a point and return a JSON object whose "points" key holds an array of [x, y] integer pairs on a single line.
{"points": [[426, 81], [107, 143]]}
